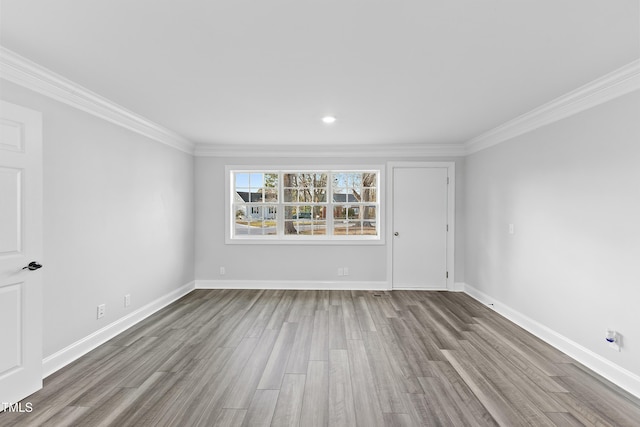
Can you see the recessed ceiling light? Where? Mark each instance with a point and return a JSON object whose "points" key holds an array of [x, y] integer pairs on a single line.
{"points": [[328, 120]]}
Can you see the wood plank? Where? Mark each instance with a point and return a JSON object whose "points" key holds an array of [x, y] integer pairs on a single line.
{"points": [[241, 393], [144, 402], [421, 411], [445, 408], [320, 336], [341, 404], [380, 309], [512, 340], [273, 372], [261, 408], [499, 378], [398, 420], [365, 396], [268, 304], [531, 370], [299, 356], [324, 300], [315, 403], [195, 381], [387, 385], [67, 416], [586, 386], [351, 324], [304, 304], [337, 332], [104, 414], [463, 397], [281, 312], [289, 406], [398, 360], [497, 404], [363, 314], [416, 355], [206, 404], [564, 419], [540, 398], [231, 417]]}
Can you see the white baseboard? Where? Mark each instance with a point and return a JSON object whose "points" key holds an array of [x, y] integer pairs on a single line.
{"points": [[609, 370], [62, 358], [293, 285]]}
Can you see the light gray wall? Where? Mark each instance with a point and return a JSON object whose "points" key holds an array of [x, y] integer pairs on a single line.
{"points": [[118, 219], [289, 262], [572, 191]]}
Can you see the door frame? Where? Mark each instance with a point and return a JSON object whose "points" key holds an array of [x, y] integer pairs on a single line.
{"points": [[451, 204]]}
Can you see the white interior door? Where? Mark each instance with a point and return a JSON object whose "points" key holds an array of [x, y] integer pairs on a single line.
{"points": [[20, 245], [420, 228]]}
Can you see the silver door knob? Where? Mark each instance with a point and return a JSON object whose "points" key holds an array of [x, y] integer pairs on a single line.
{"points": [[396, 234]]}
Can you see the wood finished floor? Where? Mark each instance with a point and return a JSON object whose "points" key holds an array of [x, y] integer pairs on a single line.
{"points": [[316, 358]]}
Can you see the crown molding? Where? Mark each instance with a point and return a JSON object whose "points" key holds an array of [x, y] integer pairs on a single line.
{"points": [[30, 75], [612, 85], [370, 151]]}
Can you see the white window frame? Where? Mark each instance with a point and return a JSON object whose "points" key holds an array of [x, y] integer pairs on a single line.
{"points": [[280, 237]]}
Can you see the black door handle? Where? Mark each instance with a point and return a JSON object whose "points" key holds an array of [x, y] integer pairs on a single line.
{"points": [[32, 266]]}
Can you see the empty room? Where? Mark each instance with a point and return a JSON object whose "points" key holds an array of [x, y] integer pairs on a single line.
{"points": [[306, 213]]}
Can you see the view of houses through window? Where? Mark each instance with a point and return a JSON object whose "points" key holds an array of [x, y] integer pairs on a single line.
{"points": [[306, 204]]}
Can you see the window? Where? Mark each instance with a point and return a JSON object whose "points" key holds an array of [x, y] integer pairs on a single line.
{"points": [[304, 205]]}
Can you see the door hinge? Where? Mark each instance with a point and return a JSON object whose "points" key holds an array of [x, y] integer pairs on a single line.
{"points": [[447, 274], [447, 180], [447, 227]]}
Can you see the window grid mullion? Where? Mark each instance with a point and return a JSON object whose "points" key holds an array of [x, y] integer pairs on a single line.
{"points": [[330, 205], [280, 211]]}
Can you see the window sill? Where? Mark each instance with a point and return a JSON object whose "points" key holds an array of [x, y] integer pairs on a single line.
{"points": [[374, 241]]}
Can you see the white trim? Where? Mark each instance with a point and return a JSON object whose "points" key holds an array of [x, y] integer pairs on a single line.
{"points": [[451, 216], [612, 85], [327, 285], [331, 151], [458, 287], [24, 72], [62, 358], [614, 373]]}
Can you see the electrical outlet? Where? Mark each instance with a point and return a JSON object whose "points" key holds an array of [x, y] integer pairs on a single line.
{"points": [[223, 271], [512, 229], [127, 300], [101, 310], [614, 339], [341, 272], [346, 271]]}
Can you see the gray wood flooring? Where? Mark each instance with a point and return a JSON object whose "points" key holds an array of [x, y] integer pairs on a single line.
{"points": [[317, 358]]}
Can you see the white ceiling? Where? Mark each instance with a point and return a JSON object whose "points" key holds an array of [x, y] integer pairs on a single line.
{"points": [[265, 72]]}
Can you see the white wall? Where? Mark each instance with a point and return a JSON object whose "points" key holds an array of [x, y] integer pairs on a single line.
{"points": [[118, 219], [287, 262], [572, 191]]}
